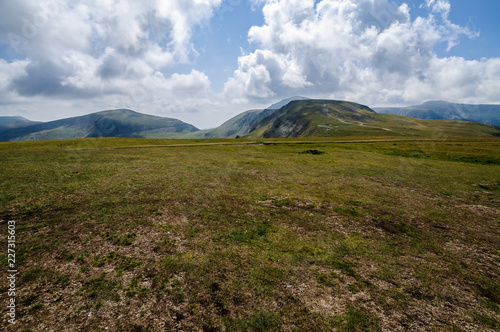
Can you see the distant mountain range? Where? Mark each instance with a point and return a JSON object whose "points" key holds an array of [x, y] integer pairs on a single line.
{"points": [[303, 117], [488, 114], [292, 117], [113, 123], [9, 122]]}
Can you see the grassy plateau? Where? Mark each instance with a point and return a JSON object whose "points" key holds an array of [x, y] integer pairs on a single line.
{"points": [[331, 234]]}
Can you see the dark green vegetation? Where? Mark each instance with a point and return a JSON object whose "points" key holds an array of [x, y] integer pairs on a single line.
{"points": [[114, 123], [489, 114], [347, 234]]}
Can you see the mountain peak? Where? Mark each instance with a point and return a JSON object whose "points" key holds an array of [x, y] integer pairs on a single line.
{"points": [[125, 110], [109, 123], [7, 120], [284, 102]]}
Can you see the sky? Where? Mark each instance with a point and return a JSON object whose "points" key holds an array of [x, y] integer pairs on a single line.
{"points": [[205, 61]]}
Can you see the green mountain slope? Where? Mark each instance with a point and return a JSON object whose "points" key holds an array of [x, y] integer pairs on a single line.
{"points": [[113, 123], [238, 126], [324, 118], [241, 124]]}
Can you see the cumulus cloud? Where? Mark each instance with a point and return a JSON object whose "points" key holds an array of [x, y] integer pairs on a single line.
{"points": [[95, 48], [370, 51], [263, 73], [88, 55]]}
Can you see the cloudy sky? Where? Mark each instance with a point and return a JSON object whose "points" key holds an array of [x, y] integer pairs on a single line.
{"points": [[204, 61]]}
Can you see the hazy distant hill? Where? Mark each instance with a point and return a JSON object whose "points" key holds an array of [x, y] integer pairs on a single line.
{"points": [[489, 114], [284, 102], [8, 122], [323, 118], [113, 123]]}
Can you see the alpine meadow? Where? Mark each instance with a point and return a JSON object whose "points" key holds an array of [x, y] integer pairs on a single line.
{"points": [[317, 234], [249, 165]]}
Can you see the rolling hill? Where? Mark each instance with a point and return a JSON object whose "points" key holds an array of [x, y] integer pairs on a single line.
{"points": [[9, 122], [324, 118], [112, 123], [241, 124], [237, 126], [292, 117], [488, 114]]}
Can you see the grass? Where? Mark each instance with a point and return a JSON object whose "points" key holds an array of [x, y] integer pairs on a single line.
{"points": [[254, 235], [356, 319]]}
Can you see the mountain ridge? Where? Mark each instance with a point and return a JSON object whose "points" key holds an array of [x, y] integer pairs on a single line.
{"points": [[295, 117], [328, 118], [439, 110], [241, 124], [111, 123]]}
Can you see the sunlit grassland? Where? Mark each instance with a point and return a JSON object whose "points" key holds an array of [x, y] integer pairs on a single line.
{"points": [[255, 235]]}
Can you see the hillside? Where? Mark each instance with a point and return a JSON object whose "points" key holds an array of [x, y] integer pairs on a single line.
{"points": [[238, 126], [243, 123], [326, 118], [284, 102], [488, 114], [292, 117], [9, 122], [112, 123]]}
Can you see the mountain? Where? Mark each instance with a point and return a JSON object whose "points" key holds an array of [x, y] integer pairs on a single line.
{"points": [[293, 117], [284, 102], [241, 124], [8, 122], [235, 127], [324, 118], [112, 123], [488, 114]]}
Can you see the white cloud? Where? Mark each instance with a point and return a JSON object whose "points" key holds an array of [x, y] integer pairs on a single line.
{"points": [[192, 84], [366, 50], [263, 73], [123, 53], [96, 48]]}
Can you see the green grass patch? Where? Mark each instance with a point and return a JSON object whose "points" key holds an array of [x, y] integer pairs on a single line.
{"points": [[256, 322], [253, 235], [245, 235], [356, 319]]}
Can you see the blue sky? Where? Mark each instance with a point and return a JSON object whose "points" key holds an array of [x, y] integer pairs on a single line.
{"points": [[204, 61], [480, 16]]}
